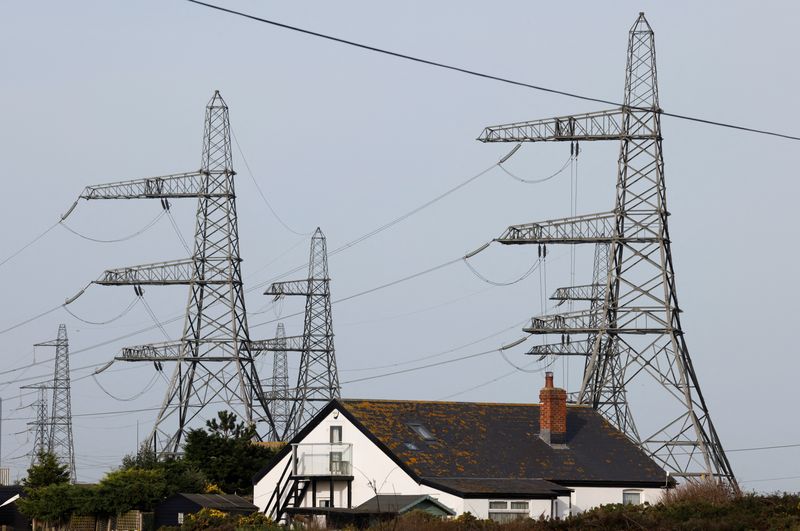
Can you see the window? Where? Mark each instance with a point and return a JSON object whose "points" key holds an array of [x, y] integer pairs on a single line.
{"points": [[336, 434], [411, 446], [323, 503], [631, 497], [336, 464], [503, 512], [422, 431], [180, 518]]}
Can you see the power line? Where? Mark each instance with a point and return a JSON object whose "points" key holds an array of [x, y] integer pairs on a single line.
{"points": [[261, 192], [34, 240], [764, 448], [491, 77], [439, 363], [768, 479]]}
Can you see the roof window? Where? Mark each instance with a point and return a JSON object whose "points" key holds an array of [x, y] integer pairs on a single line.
{"points": [[411, 446], [422, 431]]}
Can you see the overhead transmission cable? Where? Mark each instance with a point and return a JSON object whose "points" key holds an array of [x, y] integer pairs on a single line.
{"points": [[442, 353], [261, 192], [491, 77], [144, 229], [34, 240], [389, 224], [101, 323], [439, 363]]}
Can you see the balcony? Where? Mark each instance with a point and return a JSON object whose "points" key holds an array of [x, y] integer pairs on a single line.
{"points": [[322, 459]]}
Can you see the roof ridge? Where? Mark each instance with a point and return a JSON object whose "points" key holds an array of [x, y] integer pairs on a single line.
{"points": [[407, 401]]}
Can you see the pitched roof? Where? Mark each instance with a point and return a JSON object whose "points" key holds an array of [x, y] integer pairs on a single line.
{"points": [[399, 503], [501, 441], [474, 449], [222, 502]]}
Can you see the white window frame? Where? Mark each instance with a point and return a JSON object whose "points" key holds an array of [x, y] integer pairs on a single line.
{"points": [[505, 513], [638, 493]]}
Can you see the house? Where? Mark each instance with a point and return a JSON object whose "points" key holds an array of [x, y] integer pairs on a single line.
{"points": [[10, 517], [498, 461], [172, 511]]}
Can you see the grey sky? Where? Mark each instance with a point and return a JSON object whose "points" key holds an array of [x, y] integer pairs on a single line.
{"points": [[347, 140]]}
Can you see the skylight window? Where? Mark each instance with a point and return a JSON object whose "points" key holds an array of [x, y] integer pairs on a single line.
{"points": [[411, 446], [422, 431]]}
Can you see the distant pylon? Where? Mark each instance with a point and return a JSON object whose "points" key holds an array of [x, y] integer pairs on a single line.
{"points": [[318, 377], [53, 427], [640, 335], [279, 398], [41, 425], [214, 366], [60, 442]]}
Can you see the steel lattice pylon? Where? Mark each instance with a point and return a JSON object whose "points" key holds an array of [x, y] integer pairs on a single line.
{"points": [[214, 365], [279, 397], [639, 332], [53, 429], [318, 377], [41, 426]]}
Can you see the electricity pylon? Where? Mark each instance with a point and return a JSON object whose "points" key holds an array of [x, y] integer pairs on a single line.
{"points": [[640, 333], [53, 429], [42, 423], [60, 442], [613, 403], [279, 398], [214, 365], [318, 378]]}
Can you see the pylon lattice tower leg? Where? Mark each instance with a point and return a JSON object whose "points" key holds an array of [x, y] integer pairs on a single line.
{"points": [[318, 377], [639, 333], [214, 364]]}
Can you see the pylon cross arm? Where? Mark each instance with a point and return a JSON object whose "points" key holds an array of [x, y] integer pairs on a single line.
{"points": [[586, 292], [277, 344], [175, 186], [576, 347], [602, 125], [184, 271], [290, 287], [169, 351], [575, 229]]}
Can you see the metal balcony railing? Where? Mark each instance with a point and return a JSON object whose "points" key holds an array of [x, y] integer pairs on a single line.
{"points": [[322, 459]]}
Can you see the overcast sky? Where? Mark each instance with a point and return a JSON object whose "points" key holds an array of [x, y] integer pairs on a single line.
{"points": [[347, 140]]}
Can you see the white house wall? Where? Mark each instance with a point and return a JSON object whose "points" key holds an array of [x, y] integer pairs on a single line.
{"points": [[584, 498]]}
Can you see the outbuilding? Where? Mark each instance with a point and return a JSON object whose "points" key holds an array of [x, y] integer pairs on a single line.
{"points": [[174, 509]]}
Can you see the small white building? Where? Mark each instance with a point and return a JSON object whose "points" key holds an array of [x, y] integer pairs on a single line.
{"points": [[356, 458]]}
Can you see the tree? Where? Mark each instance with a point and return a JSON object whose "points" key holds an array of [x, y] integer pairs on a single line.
{"points": [[54, 503], [46, 471], [123, 490], [225, 453], [179, 474]]}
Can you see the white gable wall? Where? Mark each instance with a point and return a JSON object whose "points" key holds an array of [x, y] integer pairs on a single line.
{"points": [[373, 471]]}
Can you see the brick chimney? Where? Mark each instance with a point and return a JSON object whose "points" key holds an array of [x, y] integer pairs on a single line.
{"points": [[552, 413]]}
